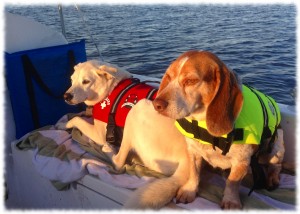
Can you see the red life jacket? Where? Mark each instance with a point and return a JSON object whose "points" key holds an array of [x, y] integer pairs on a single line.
{"points": [[125, 95]]}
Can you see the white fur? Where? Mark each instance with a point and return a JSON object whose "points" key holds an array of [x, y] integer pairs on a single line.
{"points": [[162, 148], [182, 62], [101, 78]]}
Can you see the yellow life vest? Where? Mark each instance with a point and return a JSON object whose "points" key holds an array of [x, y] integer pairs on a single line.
{"points": [[259, 112]]}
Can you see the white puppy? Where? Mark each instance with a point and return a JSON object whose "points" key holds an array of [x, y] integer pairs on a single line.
{"points": [[92, 82]]}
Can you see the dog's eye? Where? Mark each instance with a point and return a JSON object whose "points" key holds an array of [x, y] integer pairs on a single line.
{"points": [[84, 82], [190, 82]]}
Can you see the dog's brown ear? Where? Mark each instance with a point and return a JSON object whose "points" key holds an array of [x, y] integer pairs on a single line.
{"points": [[226, 105]]}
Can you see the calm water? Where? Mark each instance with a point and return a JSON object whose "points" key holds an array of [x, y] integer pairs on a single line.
{"points": [[257, 41]]}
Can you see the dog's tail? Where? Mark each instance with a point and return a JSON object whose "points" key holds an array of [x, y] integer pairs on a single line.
{"points": [[155, 194], [161, 191]]}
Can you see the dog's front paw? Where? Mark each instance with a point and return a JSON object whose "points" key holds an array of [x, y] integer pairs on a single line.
{"points": [[273, 178], [231, 204], [186, 194], [117, 163], [63, 125]]}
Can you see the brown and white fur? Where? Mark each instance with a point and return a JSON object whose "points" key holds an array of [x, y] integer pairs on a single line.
{"points": [[92, 82], [199, 86]]}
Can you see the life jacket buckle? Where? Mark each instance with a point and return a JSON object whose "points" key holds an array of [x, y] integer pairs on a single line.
{"points": [[111, 130]]}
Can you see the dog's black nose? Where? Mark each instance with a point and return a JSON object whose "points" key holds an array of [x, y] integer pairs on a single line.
{"points": [[68, 97], [160, 104]]}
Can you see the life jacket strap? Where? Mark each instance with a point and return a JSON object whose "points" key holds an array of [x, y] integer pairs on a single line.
{"points": [[113, 134], [152, 94], [271, 143], [258, 173], [203, 135]]}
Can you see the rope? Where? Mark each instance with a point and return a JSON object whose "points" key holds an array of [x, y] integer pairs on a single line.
{"points": [[88, 29], [63, 30]]}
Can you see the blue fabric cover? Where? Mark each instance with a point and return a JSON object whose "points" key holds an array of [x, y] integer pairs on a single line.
{"points": [[54, 68]]}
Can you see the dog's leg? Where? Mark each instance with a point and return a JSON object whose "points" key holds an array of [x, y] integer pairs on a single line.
{"points": [[92, 131], [231, 199], [275, 161], [187, 192], [120, 158]]}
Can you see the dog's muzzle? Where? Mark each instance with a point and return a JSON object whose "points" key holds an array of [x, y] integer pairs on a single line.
{"points": [[68, 97], [159, 104]]}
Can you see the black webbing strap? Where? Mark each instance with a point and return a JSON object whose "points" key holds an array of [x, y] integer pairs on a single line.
{"points": [[151, 94], [273, 104], [202, 134], [112, 132], [30, 73], [27, 67], [153, 91], [72, 61], [272, 140], [266, 130], [258, 173]]}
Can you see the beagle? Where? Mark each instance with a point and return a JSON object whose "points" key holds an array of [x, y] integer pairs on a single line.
{"points": [[227, 124]]}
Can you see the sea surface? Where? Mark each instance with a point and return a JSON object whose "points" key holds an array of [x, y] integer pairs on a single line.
{"points": [[256, 41]]}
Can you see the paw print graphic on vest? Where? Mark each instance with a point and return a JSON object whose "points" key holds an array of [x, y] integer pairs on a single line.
{"points": [[130, 101]]}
